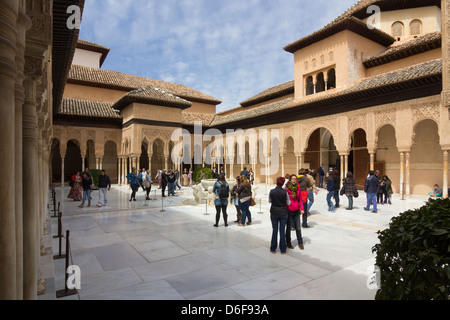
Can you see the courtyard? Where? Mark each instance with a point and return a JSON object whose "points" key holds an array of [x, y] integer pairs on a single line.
{"points": [[135, 251]]}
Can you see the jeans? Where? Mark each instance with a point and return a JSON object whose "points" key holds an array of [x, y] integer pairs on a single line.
{"points": [[321, 181], [171, 188], [330, 203], [350, 202], [336, 197], [224, 212], [244, 206], [371, 198], [134, 189], [103, 196], [310, 200], [278, 223], [293, 221], [86, 194]]}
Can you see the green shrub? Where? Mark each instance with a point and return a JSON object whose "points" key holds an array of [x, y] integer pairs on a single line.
{"points": [[414, 254], [198, 174], [95, 174]]}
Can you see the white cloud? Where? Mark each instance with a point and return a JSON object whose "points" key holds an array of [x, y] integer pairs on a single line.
{"points": [[230, 49]]}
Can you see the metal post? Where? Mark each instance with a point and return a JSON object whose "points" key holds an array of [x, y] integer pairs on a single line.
{"points": [[206, 213], [66, 291], [162, 205], [260, 210]]}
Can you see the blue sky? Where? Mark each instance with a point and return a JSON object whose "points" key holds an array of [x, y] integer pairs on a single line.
{"points": [[230, 49]]}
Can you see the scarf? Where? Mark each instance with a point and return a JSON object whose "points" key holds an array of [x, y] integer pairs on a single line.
{"points": [[293, 188]]}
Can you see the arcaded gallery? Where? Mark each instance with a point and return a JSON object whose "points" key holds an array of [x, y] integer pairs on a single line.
{"points": [[361, 99]]}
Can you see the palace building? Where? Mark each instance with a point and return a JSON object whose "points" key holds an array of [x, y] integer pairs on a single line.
{"points": [[369, 92]]}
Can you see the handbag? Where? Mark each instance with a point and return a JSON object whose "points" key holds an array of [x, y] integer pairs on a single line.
{"points": [[252, 201], [355, 193]]}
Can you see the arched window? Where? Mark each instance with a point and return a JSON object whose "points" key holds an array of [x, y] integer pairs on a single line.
{"points": [[320, 83], [397, 30], [331, 56], [309, 86], [415, 27], [322, 59], [331, 83], [314, 63]]}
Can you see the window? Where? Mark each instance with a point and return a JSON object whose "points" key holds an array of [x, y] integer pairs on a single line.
{"points": [[331, 83], [306, 65], [314, 63], [397, 30], [415, 27], [320, 83], [331, 56], [309, 86], [322, 59]]}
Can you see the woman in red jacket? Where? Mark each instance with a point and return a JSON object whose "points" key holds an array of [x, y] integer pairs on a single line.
{"points": [[295, 209]]}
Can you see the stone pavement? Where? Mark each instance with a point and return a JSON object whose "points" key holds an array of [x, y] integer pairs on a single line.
{"points": [[134, 251]]}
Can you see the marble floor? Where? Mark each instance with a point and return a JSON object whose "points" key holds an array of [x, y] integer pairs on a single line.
{"points": [[155, 250]]}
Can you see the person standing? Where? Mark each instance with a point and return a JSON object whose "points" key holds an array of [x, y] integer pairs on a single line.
{"points": [[371, 188], [134, 183], [171, 180], [295, 210], [76, 192], [164, 182], [279, 200], [185, 178], [148, 184], [321, 175], [202, 176], [222, 191], [245, 173], [141, 177], [190, 177], [244, 193], [304, 183], [349, 189], [311, 191], [337, 187], [330, 191], [389, 192], [87, 189], [159, 177], [252, 176], [177, 178], [235, 200], [104, 185]]}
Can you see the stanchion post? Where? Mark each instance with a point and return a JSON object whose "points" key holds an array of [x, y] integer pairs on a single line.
{"points": [[66, 291], [162, 205], [206, 213], [60, 255], [260, 209], [59, 226], [155, 195]]}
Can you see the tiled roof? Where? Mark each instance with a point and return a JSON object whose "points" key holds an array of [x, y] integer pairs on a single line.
{"points": [[271, 93], [88, 108], [348, 23], [127, 82], [419, 45], [190, 117], [398, 77], [150, 95]]}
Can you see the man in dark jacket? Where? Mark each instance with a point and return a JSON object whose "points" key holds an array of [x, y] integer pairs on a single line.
{"points": [[321, 175], [104, 185], [371, 188]]}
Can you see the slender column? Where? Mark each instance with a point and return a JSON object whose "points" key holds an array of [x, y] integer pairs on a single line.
{"points": [[342, 167], [83, 162], [8, 74], [402, 171], [119, 170], [166, 162], [345, 165], [282, 165], [372, 160], [29, 189], [445, 184], [407, 173], [62, 169]]}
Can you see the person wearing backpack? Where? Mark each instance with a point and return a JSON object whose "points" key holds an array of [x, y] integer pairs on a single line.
{"points": [[222, 191]]}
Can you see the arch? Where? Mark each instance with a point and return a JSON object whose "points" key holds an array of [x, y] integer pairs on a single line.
{"points": [[320, 149], [359, 158], [397, 30], [72, 161], [309, 85], [426, 157], [415, 27], [320, 83], [109, 162], [387, 152], [331, 76]]}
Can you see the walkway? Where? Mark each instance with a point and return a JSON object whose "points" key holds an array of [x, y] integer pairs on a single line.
{"points": [[132, 250]]}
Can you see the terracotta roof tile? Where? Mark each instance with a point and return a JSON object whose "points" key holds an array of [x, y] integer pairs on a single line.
{"points": [[271, 93], [419, 45], [127, 82], [88, 108]]}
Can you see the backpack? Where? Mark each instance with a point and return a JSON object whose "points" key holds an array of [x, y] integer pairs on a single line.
{"points": [[223, 191]]}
